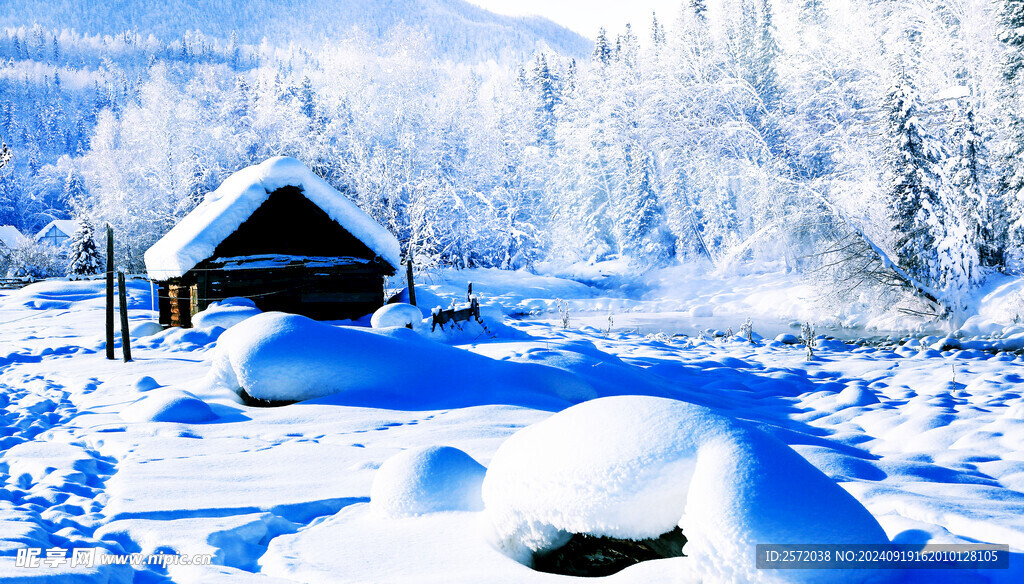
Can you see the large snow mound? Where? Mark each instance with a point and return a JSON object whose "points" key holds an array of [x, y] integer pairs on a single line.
{"points": [[223, 211], [286, 357], [427, 480], [634, 467]]}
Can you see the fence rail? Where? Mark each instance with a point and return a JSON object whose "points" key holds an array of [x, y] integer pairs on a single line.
{"points": [[14, 283]]}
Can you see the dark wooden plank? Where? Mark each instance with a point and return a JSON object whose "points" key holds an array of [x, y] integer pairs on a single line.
{"points": [[126, 342], [110, 293]]}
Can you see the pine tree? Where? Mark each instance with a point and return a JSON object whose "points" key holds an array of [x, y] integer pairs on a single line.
{"points": [[307, 99], [913, 178], [546, 98], [1010, 189], [73, 190], [641, 228], [763, 75], [968, 171], [700, 9], [657, 31], [757, 55], [812, 11], [602, 50], [84, 258]]}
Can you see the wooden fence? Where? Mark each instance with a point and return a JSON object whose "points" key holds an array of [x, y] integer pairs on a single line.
{"points": [[14, 283]]}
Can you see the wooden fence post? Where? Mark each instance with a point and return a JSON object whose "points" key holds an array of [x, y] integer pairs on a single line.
{"points": [[126, 343], [412, 285], [110, 293]]}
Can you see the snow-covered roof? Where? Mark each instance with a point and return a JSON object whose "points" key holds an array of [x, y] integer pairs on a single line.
{"points": [[10, 237], [66, 226], [223, 211]]}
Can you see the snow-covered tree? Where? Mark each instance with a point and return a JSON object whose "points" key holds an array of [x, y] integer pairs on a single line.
{"points": [[968, 174], [912, 181], [84, 257], [602, 50], [700, 8], [1011, 180], [5, 154], [640, 219], [546, 97]]}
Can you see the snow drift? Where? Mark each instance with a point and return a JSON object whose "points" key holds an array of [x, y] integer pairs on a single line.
{"points": [[634, 467], [286, 357]]}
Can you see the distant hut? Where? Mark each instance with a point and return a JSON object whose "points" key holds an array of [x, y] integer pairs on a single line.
{"points": [[279, 235], [57, 232], [11, 239]]}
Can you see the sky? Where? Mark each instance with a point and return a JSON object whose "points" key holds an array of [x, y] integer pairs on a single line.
{"points": [[587, 16]]}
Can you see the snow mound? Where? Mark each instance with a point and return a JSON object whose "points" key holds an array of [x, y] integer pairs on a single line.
{"points": [[856, 395], [787, 339], [170, 406], [634, 467], [397, 314], [978, 325], [145, 329], [226, 313], [145, 383], [182, 339], [196, 236], [427, 480], [287, 357]]}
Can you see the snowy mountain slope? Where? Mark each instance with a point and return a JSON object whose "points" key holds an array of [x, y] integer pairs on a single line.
{"points": [[459, 29]]}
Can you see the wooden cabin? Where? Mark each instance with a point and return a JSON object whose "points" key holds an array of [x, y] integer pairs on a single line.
{"points": [[279, 235]]}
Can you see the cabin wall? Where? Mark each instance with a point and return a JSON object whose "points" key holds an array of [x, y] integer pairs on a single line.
{"points": [[346, 292], [322, 294], [179, 304]]}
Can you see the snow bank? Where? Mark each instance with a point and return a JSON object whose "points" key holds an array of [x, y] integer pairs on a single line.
{"points": [[63, 294], [196, 236], [426, 480], [287, 357], [225, 313], [635, 467], [398, 314]]}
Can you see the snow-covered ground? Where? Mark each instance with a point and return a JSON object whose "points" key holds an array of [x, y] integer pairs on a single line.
{"points": [[160, 455]]}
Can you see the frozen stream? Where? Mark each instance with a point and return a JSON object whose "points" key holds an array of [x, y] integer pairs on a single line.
{"points": [[683, 323]]}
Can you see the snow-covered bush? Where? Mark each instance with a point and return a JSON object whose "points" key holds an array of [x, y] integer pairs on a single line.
{"points": [[37, 260], [635, 467]]}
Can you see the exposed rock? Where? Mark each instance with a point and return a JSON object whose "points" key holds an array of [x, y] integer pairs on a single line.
{"points": [[590, 556]]}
